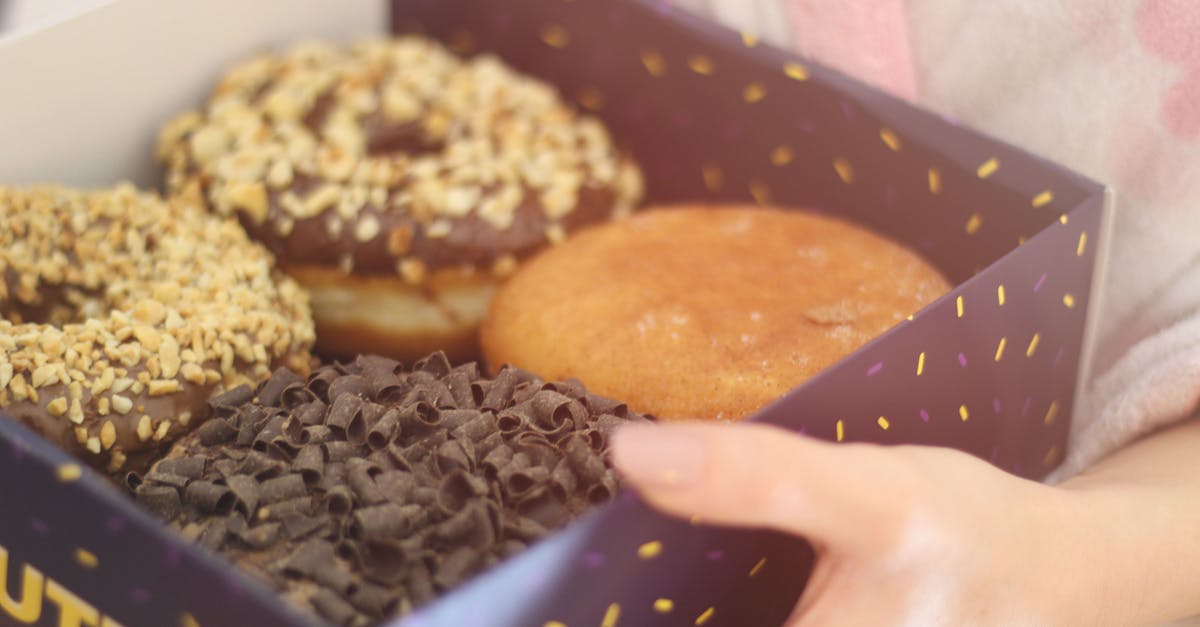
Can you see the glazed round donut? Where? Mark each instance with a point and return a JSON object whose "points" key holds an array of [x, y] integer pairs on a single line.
{"points": [[396, 181], [699, 312], [120, 314]]}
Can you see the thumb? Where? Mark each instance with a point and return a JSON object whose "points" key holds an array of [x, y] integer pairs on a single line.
{"points": [[750, 475]]}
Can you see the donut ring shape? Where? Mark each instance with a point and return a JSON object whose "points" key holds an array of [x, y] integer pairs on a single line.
{"points": [[396, 163], [121, 313]]}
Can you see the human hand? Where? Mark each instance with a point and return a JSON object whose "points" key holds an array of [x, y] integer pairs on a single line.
{"points": [[904, 535]]}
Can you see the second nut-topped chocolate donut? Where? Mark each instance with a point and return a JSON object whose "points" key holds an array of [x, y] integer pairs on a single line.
{"points": [[397, 181]]}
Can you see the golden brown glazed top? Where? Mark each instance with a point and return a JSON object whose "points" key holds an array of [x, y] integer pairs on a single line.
{"points": [[695, 312]]}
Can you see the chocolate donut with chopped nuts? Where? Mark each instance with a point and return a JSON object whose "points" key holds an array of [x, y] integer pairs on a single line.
{"points": [[366, 489], [121, 313], [396, 181]]}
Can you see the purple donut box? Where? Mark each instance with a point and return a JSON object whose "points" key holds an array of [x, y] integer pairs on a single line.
{"points": [[991, 368]]}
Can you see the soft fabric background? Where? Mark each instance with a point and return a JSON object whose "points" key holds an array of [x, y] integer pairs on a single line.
{"points": [[1108, 87]]}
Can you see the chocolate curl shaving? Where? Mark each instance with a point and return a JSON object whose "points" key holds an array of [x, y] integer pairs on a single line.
{"points": [[374, 601], [452, 419], [587, 466], [595, 439], [471, 526], [312, 413], [606, 423], [420, 585], [389, 521], [368, 363], [260, 536], [423, 496], [318, 382], [168, 479], [435, 364], [364, 419], [554, 414], [519, 476], [260, 466], [295, 395], [269, 431], [396, 453], [245, 491], [382, 459], [190, 467], [309, 558], [132, 481], [226, 403], [604, 490], [601, 405], [514, 420], [310, 464], [457, 488], [432, 392], [457, 566], [385, 387], [342, 412], [454, 455], [496, 459], [572, 388], [563, 482], [281, 489], [209, 497], [338, 450], [538, 447], [316, 434], [335, 579], [396, 486], [541, 507], [339, 500], [470, 370], [349, 385], [459, 384], [384, 430], [488, 443], [215, 431], [271, 390], [163, 501], [385, 561], [214, 534], [524, 529], [421, 455], [511, 547], [418, 419], [298, 526], [331, 607], [499, 393], [226, 467], [362, 481], [524, 391], [479, 426], [300, 506]]}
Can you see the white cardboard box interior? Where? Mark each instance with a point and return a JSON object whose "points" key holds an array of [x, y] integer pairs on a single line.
{"points": [[82, 100]]}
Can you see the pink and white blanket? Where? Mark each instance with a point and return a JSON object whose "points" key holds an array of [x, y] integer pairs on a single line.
{"points": [[1108, 87]]}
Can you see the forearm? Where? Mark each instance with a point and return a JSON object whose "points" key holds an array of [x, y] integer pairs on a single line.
{"points": [[1138, 515]]}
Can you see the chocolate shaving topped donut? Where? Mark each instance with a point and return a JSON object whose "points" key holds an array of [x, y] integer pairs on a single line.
{"points": [[421, 176], [366, 489], [120, 314]]}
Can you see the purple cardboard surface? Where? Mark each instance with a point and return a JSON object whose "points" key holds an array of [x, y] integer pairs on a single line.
{"points": [[991, 368], [75, 551]]}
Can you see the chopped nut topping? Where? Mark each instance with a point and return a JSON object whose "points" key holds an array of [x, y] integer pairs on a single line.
{"points": [[486, 139], [157, 287], [367, 228]]}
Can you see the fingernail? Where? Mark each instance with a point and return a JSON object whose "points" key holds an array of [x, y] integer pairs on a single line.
{"points": [[658, 456]]}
